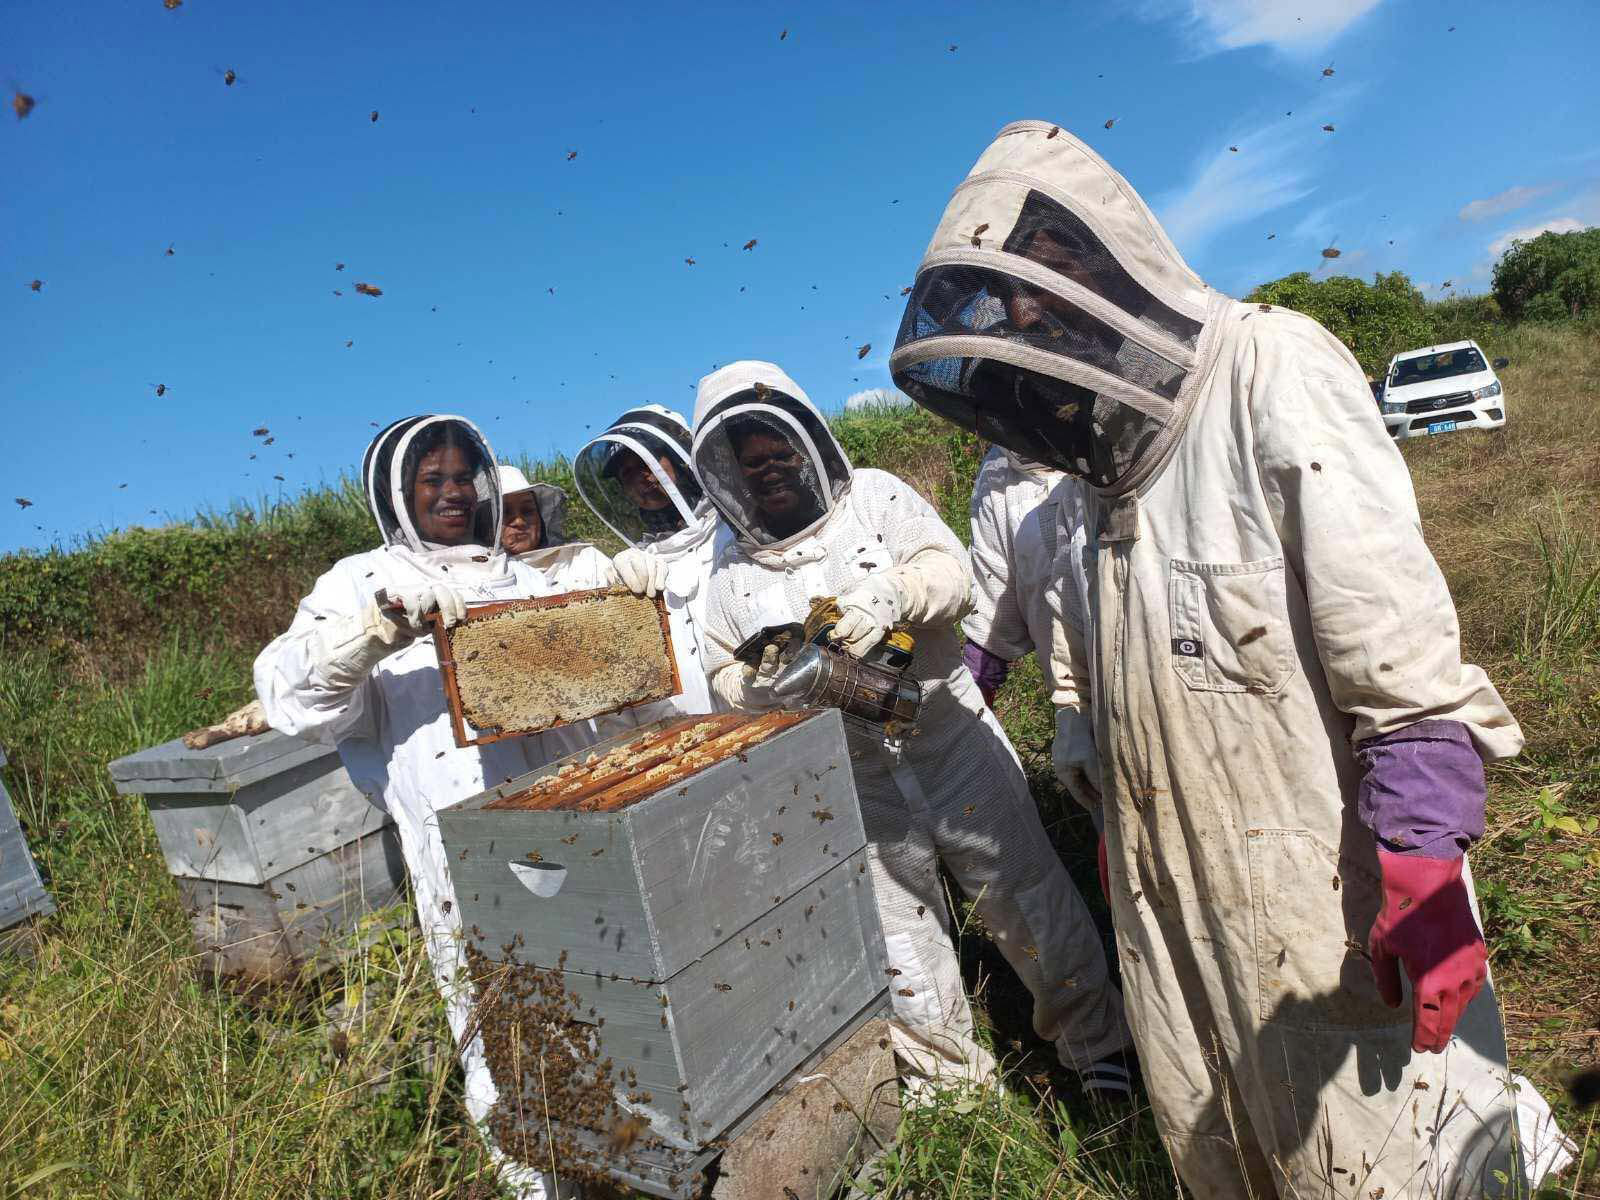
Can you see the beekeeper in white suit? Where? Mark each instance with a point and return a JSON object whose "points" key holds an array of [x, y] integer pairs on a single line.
{"points": [[1007, 488], [638, 479], [365, 677], [807, 525], [1291, 747], [1031, 595]]}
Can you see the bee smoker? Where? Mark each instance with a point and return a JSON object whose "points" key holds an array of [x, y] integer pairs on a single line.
{"points": [[818, 673]]}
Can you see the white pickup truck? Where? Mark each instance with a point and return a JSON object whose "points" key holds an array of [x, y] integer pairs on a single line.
{"points": [[1440, 389]]}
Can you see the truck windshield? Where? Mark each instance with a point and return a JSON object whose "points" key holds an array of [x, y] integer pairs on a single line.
{"points": [[1428, 367]]}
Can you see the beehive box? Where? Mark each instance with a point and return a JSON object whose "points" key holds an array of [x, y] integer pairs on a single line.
{"points": [[593, 652], [273, 850], [662, 929], [22, 891]]}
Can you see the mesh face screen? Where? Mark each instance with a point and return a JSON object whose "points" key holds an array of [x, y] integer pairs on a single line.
{"points": [[1053, 236], [403, 450], [629, 476], [759, 470], [957, 300]]}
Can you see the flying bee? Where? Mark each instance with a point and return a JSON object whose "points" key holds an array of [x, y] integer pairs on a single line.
{"points": [[863, 351], [751, 244], [161, 388], [36, 285], [373, 117], [369, 289], [21, 103]]}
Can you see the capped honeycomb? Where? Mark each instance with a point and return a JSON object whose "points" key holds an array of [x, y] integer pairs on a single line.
{"points": [[528, 665], [642, 767]]}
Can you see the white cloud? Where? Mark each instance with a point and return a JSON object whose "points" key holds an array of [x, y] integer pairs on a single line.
{"points": [[1503, 202], [877, 398], [1558, 225], [1270, 169], [1298, 28]]}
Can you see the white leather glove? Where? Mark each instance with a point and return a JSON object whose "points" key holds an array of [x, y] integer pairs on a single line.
{"points": [[1075, 757], [414, 604], [641, 573], [868, 610], [750, 688]]}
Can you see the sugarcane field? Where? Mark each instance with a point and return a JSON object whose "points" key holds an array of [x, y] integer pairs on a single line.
{"points": [[844, 603]]}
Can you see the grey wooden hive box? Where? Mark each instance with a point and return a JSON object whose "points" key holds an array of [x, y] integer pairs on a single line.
{"points": [[711, 928], [273, 849], [22, 891]]}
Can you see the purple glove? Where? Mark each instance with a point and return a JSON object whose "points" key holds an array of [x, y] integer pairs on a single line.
{"points": [[989, 671], [1423, 791]]}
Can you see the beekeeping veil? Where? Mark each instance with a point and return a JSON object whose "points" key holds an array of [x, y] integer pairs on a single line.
{"points": [[389, 475], [660, 500], [1051, 313], [766, 458]]}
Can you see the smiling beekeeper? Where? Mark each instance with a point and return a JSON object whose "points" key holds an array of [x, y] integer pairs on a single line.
{"points": [[807, 525], [638, 479], [364, 675], [1291, 747]]}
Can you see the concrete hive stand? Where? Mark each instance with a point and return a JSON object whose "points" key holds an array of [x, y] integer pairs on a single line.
{"points": [[716, 935], [273, 849], [22, 892]]}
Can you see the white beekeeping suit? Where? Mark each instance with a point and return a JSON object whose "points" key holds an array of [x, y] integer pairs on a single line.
{"points": [[1291, 747], [808, 526], [1007, 488], [638, 479], [367, 680]]}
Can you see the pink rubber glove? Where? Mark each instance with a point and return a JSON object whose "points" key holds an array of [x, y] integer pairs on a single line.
{"points": [[1426, 923], [1105, 870]]}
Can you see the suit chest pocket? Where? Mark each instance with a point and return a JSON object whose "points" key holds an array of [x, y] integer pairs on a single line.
{"points": [[1230, 625]]}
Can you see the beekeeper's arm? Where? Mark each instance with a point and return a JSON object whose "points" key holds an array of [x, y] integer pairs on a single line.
{"points": [[1073, 753], [312, 680], [996, 629], [924, 578], [1389, 643]]}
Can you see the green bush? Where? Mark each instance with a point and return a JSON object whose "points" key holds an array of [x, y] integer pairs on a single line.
{"points": [[1550, 278], [1375, 320]]}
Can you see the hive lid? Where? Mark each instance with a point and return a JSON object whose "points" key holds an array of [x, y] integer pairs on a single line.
{"points": [[223, 767], [522, 666]]}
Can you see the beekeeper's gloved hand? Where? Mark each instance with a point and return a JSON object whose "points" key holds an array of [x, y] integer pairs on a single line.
{"points": [[642, 574], [1426, 923], [409, 608], [868, 611], [351, 647], [750, 688], [1075, 758]]}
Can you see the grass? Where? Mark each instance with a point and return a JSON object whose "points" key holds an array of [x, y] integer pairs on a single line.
{"points": [[124, 1072]]}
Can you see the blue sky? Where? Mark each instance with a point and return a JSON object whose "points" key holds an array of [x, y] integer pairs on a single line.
{"points": [[696, 131]]}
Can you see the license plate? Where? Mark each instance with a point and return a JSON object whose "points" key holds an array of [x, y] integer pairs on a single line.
{"points": [[1441, 426]]}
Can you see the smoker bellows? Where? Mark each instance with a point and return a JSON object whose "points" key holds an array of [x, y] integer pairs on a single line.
{"points": [[272, 847], [677, 918]]}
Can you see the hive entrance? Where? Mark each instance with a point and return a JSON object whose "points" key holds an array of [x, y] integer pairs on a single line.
{"points": [[642, 767], [523, 666]]}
